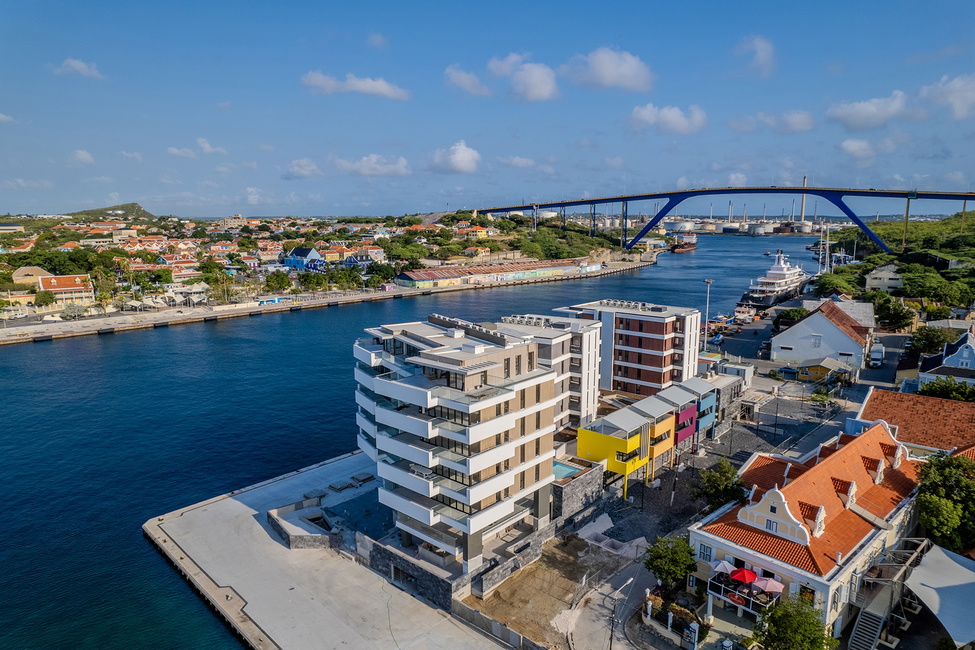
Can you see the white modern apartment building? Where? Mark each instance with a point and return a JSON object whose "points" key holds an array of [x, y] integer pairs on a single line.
{"points": [[645, 347], [460, 418]]}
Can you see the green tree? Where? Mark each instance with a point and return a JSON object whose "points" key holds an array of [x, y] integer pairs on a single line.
{"points": [[931, 340], [44, 298], [948, 388], [945, 479], [72, 311], [719, 486], [938, 313], [671, 560], [278, 281], [792, 315], [940, 516], [793, 624], [828, 282]]}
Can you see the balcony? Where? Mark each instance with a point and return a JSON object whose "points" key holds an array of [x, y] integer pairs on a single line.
{"points": [[439, 535], [367, 352], [740, 595]]}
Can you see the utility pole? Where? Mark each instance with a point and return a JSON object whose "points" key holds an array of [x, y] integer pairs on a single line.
{"points": [[707, 313], [616, 600]]}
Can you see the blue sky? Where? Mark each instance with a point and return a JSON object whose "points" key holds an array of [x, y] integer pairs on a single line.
{"points": [[312, 108]]}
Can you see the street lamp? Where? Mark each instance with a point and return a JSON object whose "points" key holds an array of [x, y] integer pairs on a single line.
{"points": [[616, 599], [707, 310]]}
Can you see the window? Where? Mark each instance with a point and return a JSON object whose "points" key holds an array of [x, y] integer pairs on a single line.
{"points": [[622, 458], [531, 361], [771, 526], [817, 340], [691, 581], [518, 365], [483, 378], [772, 509], [507, 368], [538, 393], [785, 347], [704, 552]]}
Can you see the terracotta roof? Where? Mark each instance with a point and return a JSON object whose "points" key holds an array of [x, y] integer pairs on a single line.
{"points": [[458, 272], [969, 453], [818, 486], [64, 283], [846, 323], [922, 420]]}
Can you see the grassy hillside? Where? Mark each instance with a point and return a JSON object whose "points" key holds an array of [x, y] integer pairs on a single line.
{"points": [[948, 238], [132, 211]]}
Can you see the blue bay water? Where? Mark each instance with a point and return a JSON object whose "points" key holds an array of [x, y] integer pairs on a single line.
{"points": [[98, 434]]}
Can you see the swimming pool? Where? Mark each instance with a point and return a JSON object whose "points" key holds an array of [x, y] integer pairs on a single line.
{"points": [[564, 471]]}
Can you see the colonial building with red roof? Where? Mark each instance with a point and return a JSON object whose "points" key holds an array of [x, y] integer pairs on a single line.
{"points": [[68, 288], [815, 524], [826, 332], [925, 425]]}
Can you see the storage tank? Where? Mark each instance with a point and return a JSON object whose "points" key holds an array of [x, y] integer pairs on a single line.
{"points": [[802, 227], [757, 229], [679, 226]]}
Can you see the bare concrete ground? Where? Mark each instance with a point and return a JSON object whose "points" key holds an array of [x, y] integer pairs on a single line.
{"points": [[533, 598]]}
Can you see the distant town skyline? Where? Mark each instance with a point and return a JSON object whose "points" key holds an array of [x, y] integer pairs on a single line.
{"points": [[215, 109]]}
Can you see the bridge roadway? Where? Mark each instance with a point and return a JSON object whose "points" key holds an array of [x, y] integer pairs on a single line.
{"points": [[834, 195]]}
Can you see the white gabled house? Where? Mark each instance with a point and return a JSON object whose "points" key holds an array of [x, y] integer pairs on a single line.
{"points": [[826, 332]]}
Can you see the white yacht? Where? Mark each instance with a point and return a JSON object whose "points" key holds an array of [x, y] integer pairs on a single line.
{"points": [[782, 282]]}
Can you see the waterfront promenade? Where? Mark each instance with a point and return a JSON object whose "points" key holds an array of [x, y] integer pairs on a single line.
{"points": [[130, 321]]}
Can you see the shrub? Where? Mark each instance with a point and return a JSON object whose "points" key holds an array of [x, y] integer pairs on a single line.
{"points": [[655, 602], [682, 616]]}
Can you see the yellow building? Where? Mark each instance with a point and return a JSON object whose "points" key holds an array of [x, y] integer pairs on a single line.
{"points": [[640, 436], [818, 370]]}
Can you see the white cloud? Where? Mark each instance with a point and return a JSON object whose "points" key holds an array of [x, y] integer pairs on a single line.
{"points": [[608, 68], [182, 153], [254, 196], [871, 113], [326, 85], [682, 183], [224, 170], [74, 66], [616, 162], [762, 51], [169, 180], [377, 41], [671, 118], [5, 118], [375, 165], [957, 177], [205, 147], [466, 80], [958, 93], [113, 198], [518, 161], [132, 155], [301, 168], [533, 82], [459, 159], [860, 150], [737, 179], [100, 179], [82, 157], [794, 121], [21, 184]]}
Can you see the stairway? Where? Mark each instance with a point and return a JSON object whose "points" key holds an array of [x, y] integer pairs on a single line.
{"points": [[866, 632]]}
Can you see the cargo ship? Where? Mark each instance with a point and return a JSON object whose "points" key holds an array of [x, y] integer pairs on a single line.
{"points": [[684, 244], [782, 282]]}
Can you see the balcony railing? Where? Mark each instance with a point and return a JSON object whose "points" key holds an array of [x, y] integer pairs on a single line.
{"points": [[738, 594]]}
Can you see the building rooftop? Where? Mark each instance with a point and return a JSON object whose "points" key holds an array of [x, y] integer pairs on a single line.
{"points": [[631, 307], [920, 420]]}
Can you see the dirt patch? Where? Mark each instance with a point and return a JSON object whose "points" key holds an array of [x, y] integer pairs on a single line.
{"points": [[531, 599]]}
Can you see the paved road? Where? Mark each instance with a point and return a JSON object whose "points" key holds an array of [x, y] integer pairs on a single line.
{"points": [[624, 591]]}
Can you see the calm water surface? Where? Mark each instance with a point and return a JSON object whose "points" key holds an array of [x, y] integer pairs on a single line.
{"points": [[98, 434]]}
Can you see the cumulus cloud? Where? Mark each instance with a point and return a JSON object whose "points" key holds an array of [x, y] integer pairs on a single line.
{"points": [[82, 157], [616, 162], [787, 122], [377, 41], [301, 168], [871, 113], [671, 118], [762, 52], [466, 80], [22, 184], [131, 155], [459, 159], [737, 179], [533, 82], [254, 196], [205, 147], [74, 66], [860, 150], [182, 153], [957, 177], [322, 84], [609, 68], [958, 93], [5, 118], [518, 161], [375, 165]]}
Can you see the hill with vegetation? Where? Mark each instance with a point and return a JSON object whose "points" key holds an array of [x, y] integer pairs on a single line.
{"points": [[132, 211]]}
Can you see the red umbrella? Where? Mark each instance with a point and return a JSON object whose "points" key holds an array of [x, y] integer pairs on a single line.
{"points": [[743, 575]]}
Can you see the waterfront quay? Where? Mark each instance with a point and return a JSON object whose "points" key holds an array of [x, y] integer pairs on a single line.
{"points": [[276, 597], [51, 330]]}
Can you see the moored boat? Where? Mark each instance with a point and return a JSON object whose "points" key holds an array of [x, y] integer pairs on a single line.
{"points": [[686, 242], [782, 282]]}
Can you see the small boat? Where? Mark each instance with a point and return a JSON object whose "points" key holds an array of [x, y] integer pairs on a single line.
{"points": [[768, 253], [685, 243], [717, 340]]}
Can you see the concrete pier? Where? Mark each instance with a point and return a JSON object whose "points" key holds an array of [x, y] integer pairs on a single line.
{"points": [[275, 597]]}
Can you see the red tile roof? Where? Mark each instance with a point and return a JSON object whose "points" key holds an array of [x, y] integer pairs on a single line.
{"points": [[922, 420], [846, 323], [820, 486], [64, 283]]}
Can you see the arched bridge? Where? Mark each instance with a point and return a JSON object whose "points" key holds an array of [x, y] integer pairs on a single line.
{"points": [[672, 199]]}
